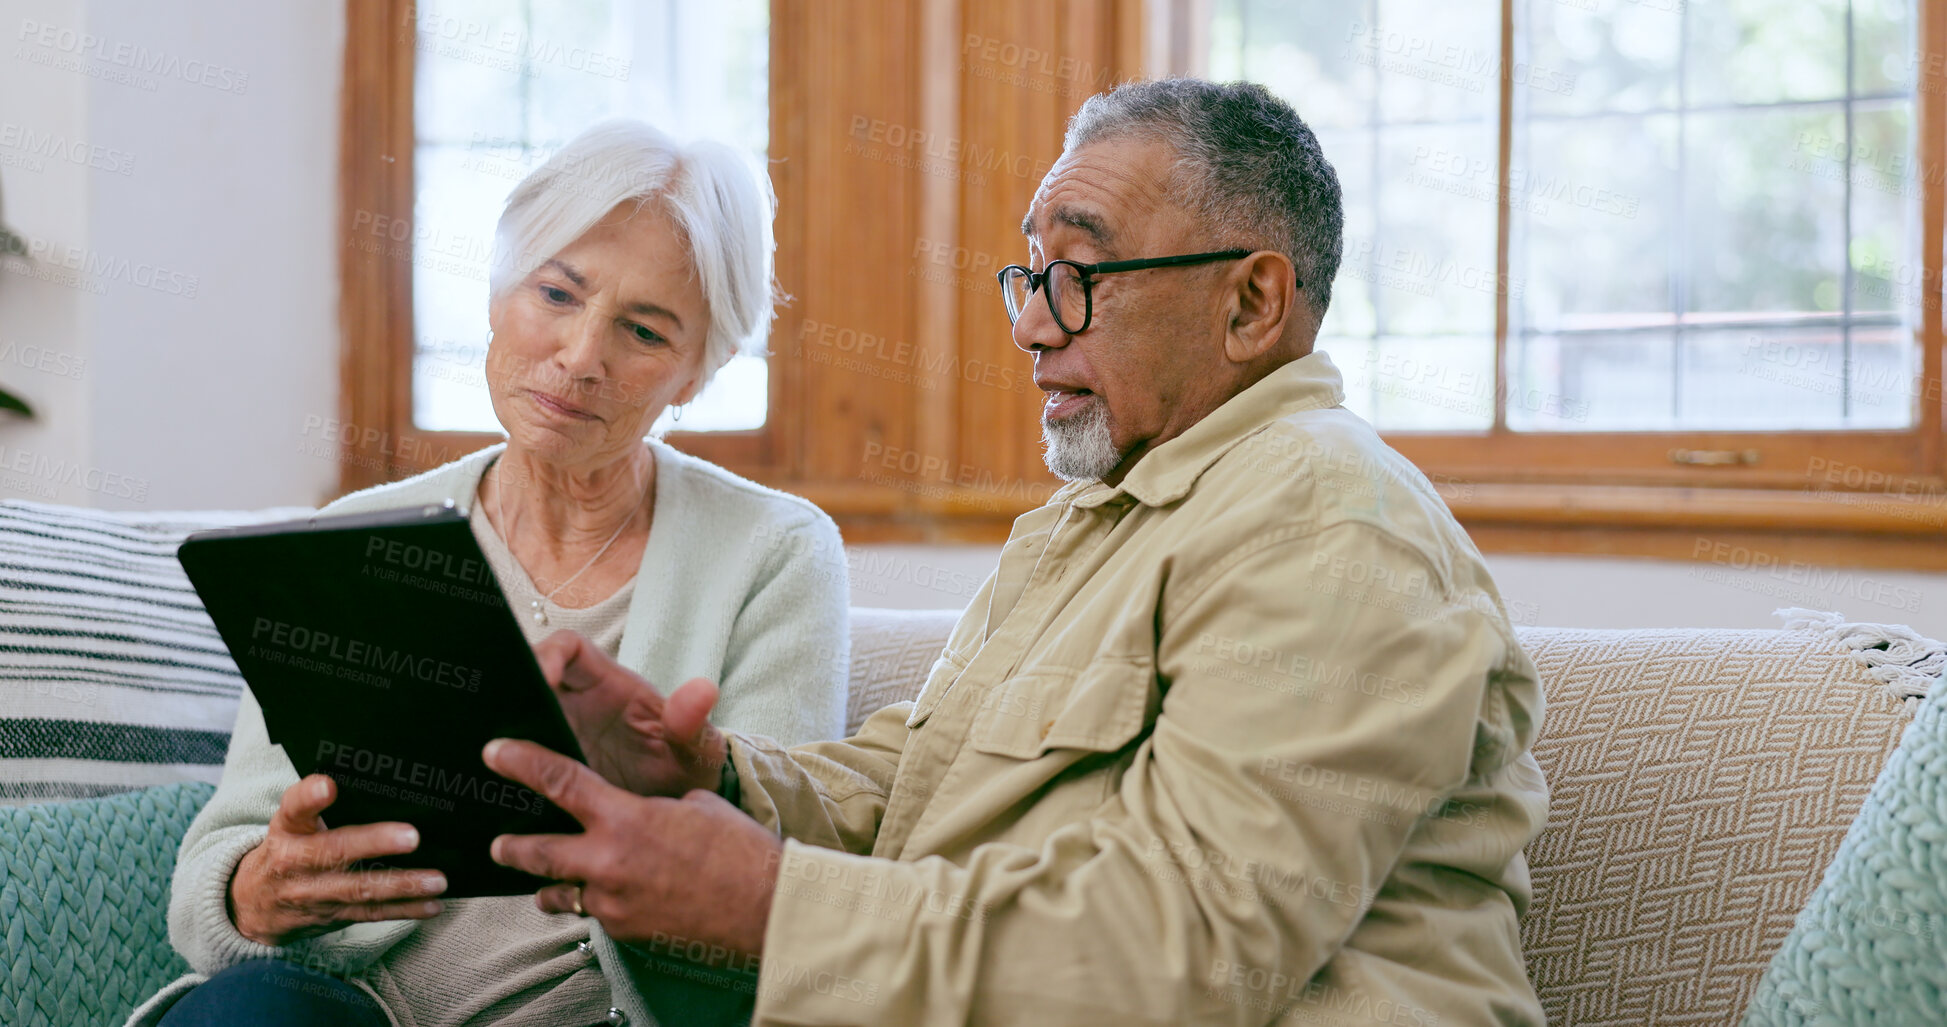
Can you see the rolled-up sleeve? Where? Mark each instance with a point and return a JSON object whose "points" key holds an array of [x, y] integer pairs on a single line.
{"points": [[1324, 697]]}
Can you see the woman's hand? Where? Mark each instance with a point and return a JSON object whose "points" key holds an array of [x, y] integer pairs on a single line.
{"points": [[632, 736], [295, 883]]}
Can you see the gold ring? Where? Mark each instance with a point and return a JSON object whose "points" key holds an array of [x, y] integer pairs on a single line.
{"points": [[578, 910]]}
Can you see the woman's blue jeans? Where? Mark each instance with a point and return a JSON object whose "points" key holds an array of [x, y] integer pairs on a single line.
{"points": [[276, 994]]}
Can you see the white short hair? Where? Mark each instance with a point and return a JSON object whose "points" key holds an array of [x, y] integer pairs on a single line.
{"points": [[721, 204]]}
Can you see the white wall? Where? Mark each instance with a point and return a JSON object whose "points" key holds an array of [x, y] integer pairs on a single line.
{"points": [[192, 272], [1548, 591]]}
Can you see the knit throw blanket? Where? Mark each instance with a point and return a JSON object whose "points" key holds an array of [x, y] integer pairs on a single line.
{"points": [[84, 894]]}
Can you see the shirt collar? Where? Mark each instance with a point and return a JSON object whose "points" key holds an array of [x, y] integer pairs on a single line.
{"points": [[1168, 472]]}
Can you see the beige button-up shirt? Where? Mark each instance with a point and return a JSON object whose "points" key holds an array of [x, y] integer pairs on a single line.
{"points": [[1242, 740]]}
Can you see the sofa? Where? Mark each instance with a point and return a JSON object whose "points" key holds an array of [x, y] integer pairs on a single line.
{"points": [[1701, 779]]}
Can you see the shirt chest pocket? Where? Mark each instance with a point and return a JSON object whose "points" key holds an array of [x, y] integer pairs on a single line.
{"points": [[1098, 708]]}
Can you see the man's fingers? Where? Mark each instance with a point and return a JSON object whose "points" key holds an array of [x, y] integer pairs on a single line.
{"points": [[572, 663], [688, 710], [298, 811], [559, 898], [566, 783], [554, 653], [554, 856]]}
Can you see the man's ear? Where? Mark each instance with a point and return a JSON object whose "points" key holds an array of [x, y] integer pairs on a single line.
{"points": [[1266, 297]]}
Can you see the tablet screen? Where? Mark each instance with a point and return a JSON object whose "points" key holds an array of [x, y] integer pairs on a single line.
{"points": [[384, 654]]}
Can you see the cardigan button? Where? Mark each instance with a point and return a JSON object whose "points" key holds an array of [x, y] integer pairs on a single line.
{"points": [[617, 1018], [584, 948]]}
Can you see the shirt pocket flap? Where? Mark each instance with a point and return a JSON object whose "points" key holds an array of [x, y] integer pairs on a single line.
{"points": [[946, 670], [1099, 708]]}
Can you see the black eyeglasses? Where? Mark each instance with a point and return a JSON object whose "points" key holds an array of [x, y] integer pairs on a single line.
{"points": [[1067, 284]]}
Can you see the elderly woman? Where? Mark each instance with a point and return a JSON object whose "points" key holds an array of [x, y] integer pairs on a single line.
{"points": [[627, 271]]}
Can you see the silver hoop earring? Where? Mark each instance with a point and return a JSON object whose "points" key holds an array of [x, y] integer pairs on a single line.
{"points": [[677, 414]]}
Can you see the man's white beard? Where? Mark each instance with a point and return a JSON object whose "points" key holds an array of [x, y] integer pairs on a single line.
{"points": [[1079, 447]]}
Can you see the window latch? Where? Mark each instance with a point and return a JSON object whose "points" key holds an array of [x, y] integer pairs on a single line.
{"points": [[1714, 457]]}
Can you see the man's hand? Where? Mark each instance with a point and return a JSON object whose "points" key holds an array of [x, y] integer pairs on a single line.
{"points": [[694, 868], [632, 736]]}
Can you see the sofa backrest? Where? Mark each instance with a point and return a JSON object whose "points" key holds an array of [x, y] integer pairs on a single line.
{"points": [[1700, 782]]}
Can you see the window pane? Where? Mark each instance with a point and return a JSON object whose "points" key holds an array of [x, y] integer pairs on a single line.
{"points": [[1764, 51], [1593, 233], [1428, 383], [1741, 378], [1593, 382], [1613, 56], [1885, 248], [1882, 46], [1760, 234], [1727, 249], [499, 86], [1402, 95]]}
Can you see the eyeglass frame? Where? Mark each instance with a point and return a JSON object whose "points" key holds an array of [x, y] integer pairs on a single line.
{"points": [[1038, 280]]}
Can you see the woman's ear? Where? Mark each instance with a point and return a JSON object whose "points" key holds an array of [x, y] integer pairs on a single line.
{"points": [[1266, 295], [690, 389]]}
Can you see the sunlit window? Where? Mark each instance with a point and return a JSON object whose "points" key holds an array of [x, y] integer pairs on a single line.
{"points": [[500, 86], [1713, 207]]}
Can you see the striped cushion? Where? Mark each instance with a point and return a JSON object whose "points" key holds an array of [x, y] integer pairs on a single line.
{"points": [[112, 677]]}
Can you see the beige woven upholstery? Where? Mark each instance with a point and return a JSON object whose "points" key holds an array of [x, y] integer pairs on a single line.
{"points": [[1701, 781]]}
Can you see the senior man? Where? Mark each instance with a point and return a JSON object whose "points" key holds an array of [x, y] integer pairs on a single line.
{"points": [[1238, 732]]}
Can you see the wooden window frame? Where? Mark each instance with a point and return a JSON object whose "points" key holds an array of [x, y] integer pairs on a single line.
{"points": [[1609, 493]]}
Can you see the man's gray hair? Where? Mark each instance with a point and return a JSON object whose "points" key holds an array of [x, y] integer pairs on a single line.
{"points": [[1246, 164]]}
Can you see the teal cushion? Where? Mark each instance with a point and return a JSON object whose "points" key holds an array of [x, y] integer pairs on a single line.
{"points": [[1871, 945], [84, 897]]}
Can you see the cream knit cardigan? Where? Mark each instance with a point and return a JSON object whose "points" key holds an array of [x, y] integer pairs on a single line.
{"points": [[739, 583]]}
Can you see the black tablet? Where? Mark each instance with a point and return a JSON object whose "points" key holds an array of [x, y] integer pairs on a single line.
{"points": [[384, 654]]}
